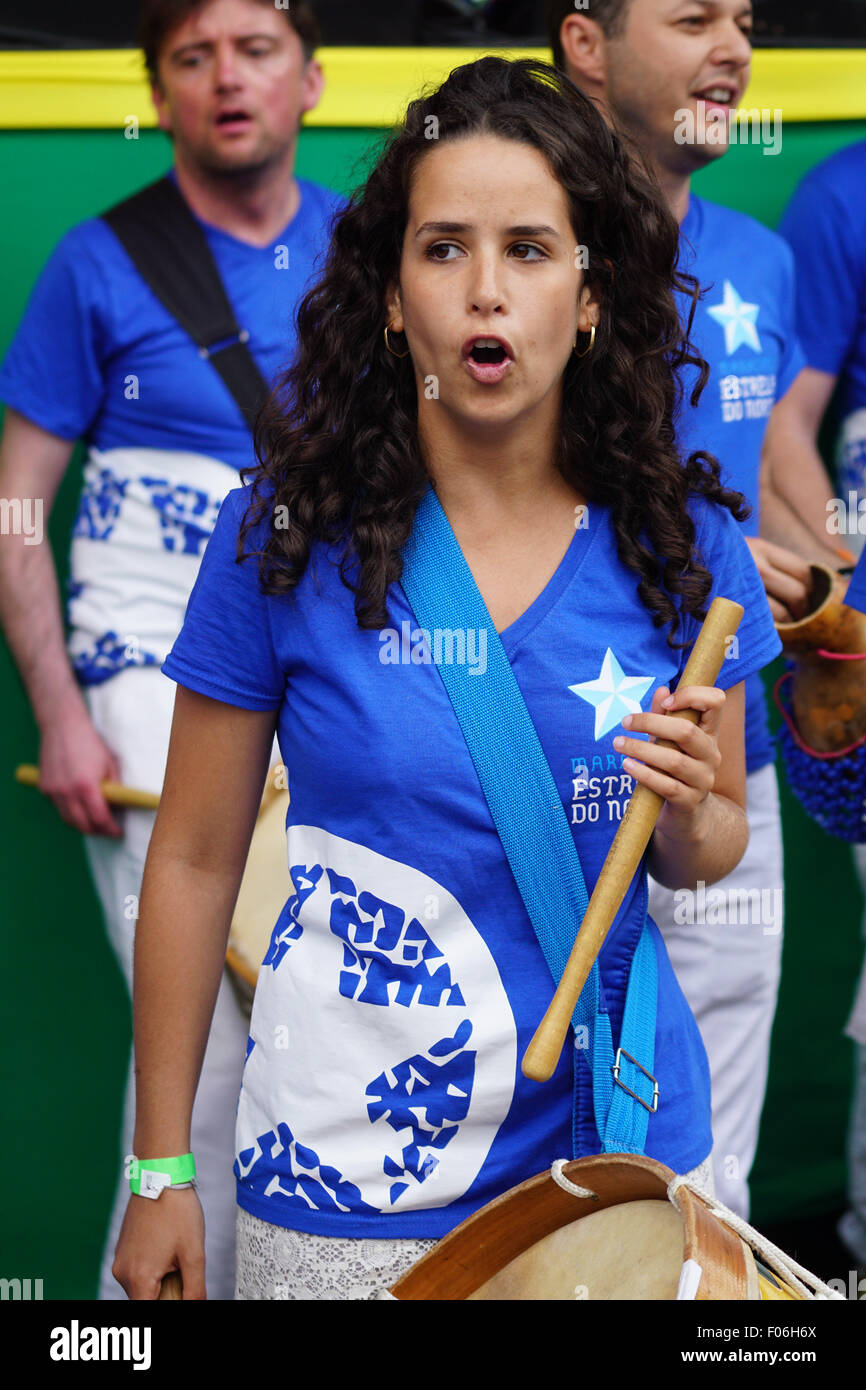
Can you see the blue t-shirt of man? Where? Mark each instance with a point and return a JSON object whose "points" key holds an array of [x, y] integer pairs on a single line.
{"points": [[855, 596], [825, 225], [98, 357], [744, 327]]}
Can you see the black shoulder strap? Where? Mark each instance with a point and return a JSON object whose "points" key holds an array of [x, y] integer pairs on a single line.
{"points": [[171, 253]]}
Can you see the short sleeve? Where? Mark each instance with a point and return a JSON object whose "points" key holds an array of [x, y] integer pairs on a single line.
{"points": [[723, 551], [225, 648], [856, 593], [792, 359], [52, 373], [822, 234]]}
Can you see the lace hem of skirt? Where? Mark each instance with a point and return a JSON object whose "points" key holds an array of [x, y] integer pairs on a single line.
{"points": [[275, 1263]]}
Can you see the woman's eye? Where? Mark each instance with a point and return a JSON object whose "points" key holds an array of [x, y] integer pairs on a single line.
{"points": [[433, 251], [536, 252]]}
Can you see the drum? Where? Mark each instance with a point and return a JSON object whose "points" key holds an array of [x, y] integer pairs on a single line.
{"points": [[264, 889], [609, 1227], [822, 700]]}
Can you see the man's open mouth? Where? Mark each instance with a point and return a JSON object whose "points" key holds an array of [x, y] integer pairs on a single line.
{"points": [[721, 95], [232, 117]]}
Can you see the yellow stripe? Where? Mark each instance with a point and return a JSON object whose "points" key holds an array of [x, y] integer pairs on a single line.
{"points": [[370, 87]]}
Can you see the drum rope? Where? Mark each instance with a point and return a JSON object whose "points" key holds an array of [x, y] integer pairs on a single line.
{"points": [[566, 1184], [783, 1264]]}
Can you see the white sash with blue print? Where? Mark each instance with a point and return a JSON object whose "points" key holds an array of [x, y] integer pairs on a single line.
{"points": [[143, 522]]}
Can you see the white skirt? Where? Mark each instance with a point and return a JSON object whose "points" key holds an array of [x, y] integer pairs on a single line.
{"points": [[275, 1263]]}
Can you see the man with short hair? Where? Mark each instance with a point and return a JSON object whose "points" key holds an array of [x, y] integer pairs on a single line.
{"points": [[662, 69], [824, 225], [231, 80]]}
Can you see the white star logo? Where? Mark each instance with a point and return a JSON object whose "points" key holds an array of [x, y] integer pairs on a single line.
{"points": [[738, 320], [614, 694]]}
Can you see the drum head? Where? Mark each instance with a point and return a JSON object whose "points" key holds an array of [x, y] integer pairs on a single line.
{"points": [[634, 1251], [623, 1238], [264, 889]]}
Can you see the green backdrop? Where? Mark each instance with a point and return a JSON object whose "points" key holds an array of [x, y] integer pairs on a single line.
{"points": [[63, 1007]]}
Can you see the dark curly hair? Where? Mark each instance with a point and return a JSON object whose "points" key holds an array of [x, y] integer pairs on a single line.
{"points": [[337, 443]]}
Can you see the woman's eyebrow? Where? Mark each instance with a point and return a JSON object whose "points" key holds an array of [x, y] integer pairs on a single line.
{"points": [[455, 228]]}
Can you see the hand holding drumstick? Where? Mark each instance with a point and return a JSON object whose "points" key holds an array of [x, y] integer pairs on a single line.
{"points": [[167, 1233], [676, 775]]}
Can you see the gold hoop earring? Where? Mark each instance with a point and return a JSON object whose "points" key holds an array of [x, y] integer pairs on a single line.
{"points": [[389, 347], [588, 349]]}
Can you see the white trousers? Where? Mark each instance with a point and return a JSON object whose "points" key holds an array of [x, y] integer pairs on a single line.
{"points": [[725, 944], [132, 711], [852, 1226]]}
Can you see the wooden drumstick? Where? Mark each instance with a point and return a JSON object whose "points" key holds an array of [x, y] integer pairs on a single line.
{"points": [[624, 855], [115, 793], [171, 1287]]}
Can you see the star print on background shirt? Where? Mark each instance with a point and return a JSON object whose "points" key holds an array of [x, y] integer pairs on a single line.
{"points": [[738, 320], [614, 694]]}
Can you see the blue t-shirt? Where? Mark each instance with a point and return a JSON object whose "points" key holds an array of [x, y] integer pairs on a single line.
{"points": [[825, 225], [744, 327], [98, 357], [855, 595], [382, 1091]]}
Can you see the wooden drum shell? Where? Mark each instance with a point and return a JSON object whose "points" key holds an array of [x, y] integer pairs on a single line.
{"points": [[533, 1243], [828, 696]]}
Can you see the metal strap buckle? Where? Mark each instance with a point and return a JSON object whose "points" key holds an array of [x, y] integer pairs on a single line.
{"points": [[620, 1052], [242, 336]]}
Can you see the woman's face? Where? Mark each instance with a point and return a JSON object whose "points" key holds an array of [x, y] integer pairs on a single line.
{"points": [[491, 289]]}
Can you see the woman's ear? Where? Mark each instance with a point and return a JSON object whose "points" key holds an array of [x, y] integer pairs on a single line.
{"points": [[588, 308], [394, 310]]}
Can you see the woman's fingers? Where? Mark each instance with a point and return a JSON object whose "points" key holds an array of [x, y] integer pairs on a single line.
{"points": [[691, 769], [662, 724], [685, 773], [682, 795], [158, 1236], [707, 699], [191, 1260]]}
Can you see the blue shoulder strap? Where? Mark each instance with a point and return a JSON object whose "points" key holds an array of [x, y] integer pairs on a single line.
{"points": [[533, 827]]}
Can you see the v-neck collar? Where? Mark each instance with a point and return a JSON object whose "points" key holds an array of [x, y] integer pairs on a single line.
{"points": [[578, 548], [289, 231]]}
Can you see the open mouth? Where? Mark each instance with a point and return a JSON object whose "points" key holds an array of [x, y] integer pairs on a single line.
{"points": [[233, 118], [487, 360], [485, 354], [721, 95], [487, 351]]}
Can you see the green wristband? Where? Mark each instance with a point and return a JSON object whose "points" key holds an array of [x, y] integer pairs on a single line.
{"points": [[148, 1176]]}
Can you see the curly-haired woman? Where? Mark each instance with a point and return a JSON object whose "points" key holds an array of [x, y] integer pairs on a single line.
{"points": [[495, 322]]}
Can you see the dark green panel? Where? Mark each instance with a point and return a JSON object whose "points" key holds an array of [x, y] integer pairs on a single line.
{"points": [[762, 184], [800, 1167], [64, 1027]]}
